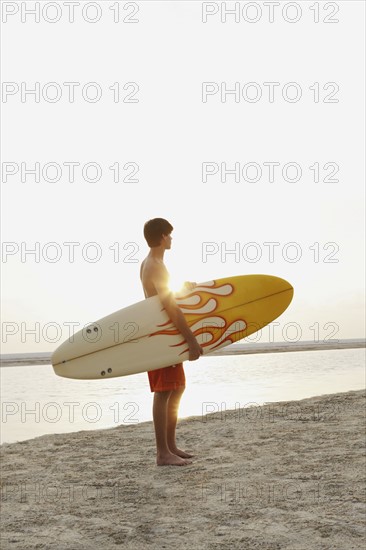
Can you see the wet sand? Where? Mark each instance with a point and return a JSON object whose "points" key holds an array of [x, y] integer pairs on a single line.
{"points": [[288, 475]]}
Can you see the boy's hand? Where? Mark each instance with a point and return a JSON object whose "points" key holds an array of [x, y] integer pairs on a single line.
{"points": [[195, 350], [189, 285]]}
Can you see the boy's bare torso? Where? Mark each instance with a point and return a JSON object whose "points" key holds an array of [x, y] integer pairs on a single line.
{"points": [[149, 267]]}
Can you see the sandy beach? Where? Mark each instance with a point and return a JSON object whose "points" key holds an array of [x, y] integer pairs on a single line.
{"points": [[286, 475]]}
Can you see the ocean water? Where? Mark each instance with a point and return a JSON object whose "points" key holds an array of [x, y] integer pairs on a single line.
{"points": [[36, 402]]}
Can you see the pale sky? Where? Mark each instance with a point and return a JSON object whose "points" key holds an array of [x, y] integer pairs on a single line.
{"points": [[169, 133]]}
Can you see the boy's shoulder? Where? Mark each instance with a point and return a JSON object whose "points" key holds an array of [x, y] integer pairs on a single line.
{"points": [[153, 264]]}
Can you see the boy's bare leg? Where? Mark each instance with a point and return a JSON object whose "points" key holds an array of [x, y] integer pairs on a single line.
{"points": [[164, 456], [172, 417]]}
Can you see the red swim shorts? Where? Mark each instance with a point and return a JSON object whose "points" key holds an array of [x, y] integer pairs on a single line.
{"points": [[167, 379]]}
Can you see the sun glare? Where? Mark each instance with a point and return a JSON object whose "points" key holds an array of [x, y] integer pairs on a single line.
{"points": [[175, 285]]}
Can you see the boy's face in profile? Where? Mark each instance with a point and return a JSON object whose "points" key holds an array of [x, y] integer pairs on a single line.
{"points": [[167, 239]]}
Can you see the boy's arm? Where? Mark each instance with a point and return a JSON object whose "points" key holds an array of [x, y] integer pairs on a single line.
{"points": [[167, 299]]}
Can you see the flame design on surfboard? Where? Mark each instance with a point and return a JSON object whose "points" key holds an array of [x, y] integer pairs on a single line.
{"points": [[213, 331]]}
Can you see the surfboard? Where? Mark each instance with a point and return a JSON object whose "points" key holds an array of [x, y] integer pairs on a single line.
{"points": [[141, 337]]}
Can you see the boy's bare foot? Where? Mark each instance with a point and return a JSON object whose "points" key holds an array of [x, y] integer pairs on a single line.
{"points": [[171, 460], [181, 453]]}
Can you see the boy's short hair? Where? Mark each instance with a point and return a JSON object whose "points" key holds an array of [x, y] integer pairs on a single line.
{"points": [[155, 229]]}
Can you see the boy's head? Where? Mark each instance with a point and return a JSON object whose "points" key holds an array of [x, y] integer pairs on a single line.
{"points": [[157, 229]]}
